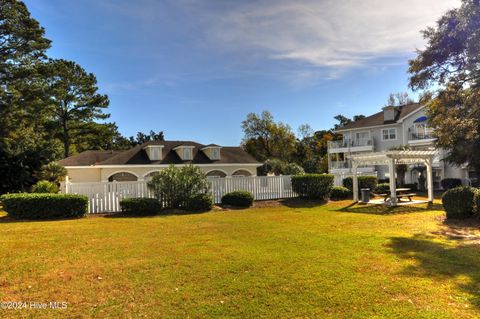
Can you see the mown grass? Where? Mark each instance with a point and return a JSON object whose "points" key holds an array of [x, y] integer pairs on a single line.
{"points": [[331, 261]]}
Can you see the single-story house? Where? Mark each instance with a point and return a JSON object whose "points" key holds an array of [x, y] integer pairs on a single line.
{"points": [[139, 162]]}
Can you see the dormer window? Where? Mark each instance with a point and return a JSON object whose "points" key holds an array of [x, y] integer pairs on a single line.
{"points": [[185, 152], [212, 152], [154, 152]]}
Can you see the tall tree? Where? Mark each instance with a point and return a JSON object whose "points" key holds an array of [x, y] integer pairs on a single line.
{"points": [[343, 120], [400, 98], [265, 138], [24, 144], [448, 70], [75, 101]]}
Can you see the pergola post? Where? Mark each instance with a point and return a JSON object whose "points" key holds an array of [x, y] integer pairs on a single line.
{"points": [[429, 163], [393, 184], [355, 181]]}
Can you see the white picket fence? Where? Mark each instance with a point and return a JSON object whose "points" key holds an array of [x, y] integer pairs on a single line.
{"points": [[106, 196]]}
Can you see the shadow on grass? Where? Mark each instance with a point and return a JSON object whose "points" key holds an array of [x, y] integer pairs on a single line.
{"points": [[387, 210], [7, 219], [164, 213], [440, 261], [301, 202]]}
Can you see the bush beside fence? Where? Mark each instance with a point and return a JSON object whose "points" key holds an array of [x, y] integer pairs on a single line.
{"points": [[313, 186]]}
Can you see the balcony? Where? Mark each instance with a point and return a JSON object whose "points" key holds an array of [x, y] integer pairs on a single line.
{"points": [[420, 135], [346, 166], [346, 146]]}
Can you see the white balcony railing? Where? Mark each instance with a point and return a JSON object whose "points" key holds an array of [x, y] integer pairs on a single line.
{"points": [[417, 133], [351, 143]]}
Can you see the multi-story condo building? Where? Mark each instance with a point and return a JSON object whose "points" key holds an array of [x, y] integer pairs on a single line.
{"points": [[393, 127]]}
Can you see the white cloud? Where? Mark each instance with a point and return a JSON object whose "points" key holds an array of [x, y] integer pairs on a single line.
{"points": [[332, 34]]}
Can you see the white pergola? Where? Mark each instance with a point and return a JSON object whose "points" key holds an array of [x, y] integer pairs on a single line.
{"points": [[392, 158]]}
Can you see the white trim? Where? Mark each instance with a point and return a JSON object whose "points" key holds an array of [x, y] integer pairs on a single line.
{"points": [[183, 146], [410, 114], [122, 171], [243, 169], [166, 165], [365, 127], [208, 147], [217, 169]]}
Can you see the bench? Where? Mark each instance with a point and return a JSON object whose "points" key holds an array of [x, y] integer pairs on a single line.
{"points": [[409, 196], [385, 196]]}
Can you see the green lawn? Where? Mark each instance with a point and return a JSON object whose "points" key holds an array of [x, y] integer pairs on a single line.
{"points": [[331, 261]]}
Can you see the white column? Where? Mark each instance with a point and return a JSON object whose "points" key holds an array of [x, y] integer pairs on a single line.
{"points": [[429, 163], [355, 181], [393, 185]]}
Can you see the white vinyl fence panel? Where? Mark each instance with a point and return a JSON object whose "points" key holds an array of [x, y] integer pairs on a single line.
{"points": [[106, 196]]}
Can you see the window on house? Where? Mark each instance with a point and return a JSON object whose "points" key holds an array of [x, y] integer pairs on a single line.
{"points": [[215, 154], [389, 134], [187, 154], [363, 136]]}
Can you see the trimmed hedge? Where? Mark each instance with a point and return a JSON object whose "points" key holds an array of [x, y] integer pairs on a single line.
{"points": [[140, 206], [44, 206], [363, 182], [459, 202], [238, 198], [449, 183], [199, 203], [45, 187], [382, 188], [339, 193], [314, 186]]}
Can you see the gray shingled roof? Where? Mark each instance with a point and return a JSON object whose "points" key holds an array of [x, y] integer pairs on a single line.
{"points": [[377, 118], [137, 156]]}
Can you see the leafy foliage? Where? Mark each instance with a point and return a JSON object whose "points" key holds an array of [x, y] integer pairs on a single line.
{"points": [[45, 187], [175, 186], [363, 182], [140, 206], [459, 202], [265, 139], [44, 206], [382, 188], [448, 69], [199, 203], [340, 193], [313, 186], [238, 198], [72, 93], [53, 172], [449, 183]]}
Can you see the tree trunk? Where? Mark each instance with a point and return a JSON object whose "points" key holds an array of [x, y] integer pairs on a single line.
{"points": [[66, 138]]}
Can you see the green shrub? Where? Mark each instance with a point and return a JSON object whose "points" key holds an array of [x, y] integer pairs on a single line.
{"points": [[314, 186], [199, 203], [175, 186], [53, 172], [292, 169], [476, 202], [383, 188], [459, 202], [44, 206], [45, 187], [140, 206], [363, 182], [449, 183], [340, 192], [238, 198]]}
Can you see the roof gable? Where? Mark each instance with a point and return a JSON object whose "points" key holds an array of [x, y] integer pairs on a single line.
{"points": [[378, 119], [138, 156]]}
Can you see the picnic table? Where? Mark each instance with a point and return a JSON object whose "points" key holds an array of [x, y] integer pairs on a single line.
{"points": [[400, 193]]}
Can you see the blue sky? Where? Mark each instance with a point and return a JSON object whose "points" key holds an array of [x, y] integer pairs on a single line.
{"points": [[196, 68]]}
